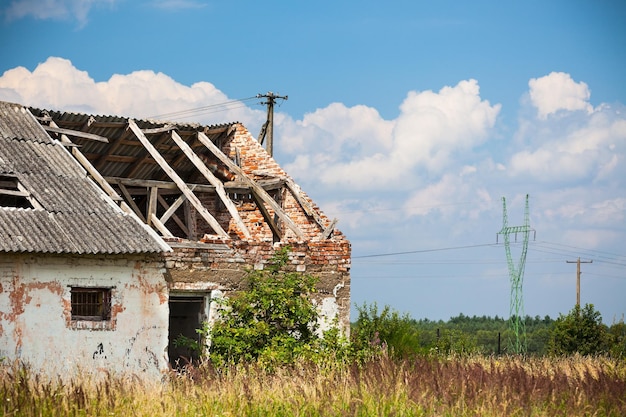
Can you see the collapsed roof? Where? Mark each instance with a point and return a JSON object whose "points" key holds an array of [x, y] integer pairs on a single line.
{"points": [[185, 181]]}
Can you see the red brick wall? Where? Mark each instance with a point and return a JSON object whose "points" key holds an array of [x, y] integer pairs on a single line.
{"points": [[223, 264]]}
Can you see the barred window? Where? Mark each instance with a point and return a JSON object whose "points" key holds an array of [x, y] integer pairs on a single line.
{"points": [[91, 304]]}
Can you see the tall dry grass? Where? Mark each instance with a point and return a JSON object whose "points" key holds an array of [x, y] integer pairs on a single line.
{"points": [[426, 386]]}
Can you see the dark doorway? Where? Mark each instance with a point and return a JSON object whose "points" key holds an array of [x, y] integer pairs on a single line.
{"points": [[187, 314]]}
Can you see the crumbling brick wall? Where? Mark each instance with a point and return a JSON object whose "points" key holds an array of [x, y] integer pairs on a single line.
{"points": [[223, 265], [214, 263]]}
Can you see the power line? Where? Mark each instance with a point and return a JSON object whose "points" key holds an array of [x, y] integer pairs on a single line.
{"points": [[598, 258], [576, 250], [453, 276], [211, 108], [423, 251], [457, 262], [586, 250]]}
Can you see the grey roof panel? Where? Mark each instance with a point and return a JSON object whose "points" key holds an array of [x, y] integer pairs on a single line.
{"points": [[16, 122], [77, 217], [28, 230]]}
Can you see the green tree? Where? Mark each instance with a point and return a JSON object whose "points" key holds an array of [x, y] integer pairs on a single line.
{"points": [[617, 335], [580, 331], [274, 320]]}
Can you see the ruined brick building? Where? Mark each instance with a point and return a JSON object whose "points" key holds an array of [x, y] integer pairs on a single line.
{"points": [[116, 235]]}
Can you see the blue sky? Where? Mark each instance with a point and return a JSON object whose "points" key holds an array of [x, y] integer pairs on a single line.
{"points": [[408, 121]]}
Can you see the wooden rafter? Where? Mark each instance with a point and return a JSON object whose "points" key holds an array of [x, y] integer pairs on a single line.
{"points": [[308, 208], [229, 186], [95, 174], [177, 179], [214, 181], [76, 133], [170, 211], [258, 190]]}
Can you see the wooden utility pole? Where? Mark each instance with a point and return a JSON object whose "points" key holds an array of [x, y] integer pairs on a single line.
{"points": [[578, 262], [268, 127]]}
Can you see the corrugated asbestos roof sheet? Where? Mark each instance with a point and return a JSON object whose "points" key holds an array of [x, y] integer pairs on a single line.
{"points": [[77, 217], [16, 122]]}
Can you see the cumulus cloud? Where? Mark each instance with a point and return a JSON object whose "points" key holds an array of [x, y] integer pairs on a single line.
{"points": [[52, 9], [588, 146], [558, 91], [57, 84], [432, 132], [453, 195]]}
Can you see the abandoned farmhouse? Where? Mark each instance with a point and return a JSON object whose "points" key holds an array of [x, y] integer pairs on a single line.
{"points": [[117, 235]]}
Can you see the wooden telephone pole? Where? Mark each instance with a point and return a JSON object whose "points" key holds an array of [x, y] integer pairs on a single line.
{"points": [[578, 262], [268, 127]]}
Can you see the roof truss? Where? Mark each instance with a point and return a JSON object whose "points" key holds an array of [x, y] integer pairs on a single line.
{"points": [[154, 171]]}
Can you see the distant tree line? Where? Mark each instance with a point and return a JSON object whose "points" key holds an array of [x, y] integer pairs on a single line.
{"points": [[484, 334], [581, 331]]}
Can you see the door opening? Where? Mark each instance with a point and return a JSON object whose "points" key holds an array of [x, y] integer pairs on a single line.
{"points": [[187, 314]]}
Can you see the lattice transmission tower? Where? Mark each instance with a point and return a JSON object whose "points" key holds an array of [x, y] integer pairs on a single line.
{"points": [[517, 335]]}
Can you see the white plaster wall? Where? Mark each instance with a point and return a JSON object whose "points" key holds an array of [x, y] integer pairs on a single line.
{"points": [[35, 315]]}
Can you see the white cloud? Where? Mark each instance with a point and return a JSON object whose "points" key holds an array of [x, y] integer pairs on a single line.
{"points": [[57, 84], [52, 9], [363, 151], [338, 129], [558, 91], [578, 146], [453, 195]]}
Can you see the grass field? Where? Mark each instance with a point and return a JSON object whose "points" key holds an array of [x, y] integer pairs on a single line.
{"points": [[425, 386]]}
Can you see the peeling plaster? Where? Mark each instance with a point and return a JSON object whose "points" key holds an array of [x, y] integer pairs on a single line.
{"points": [[36, 323]]}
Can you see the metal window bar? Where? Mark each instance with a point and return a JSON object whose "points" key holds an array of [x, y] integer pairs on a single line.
{"points": [[91, 304]]}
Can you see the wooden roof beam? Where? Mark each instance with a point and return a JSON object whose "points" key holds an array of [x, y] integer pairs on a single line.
{"points": [[214, 181], [258, 190], [178, 180], [95, 174], [308, 209], [75, 133]]}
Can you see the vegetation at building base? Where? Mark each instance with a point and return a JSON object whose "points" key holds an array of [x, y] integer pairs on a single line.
{"points": [[268, 358], [272, 322]]}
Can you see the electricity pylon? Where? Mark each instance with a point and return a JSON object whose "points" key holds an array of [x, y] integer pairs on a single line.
{"points": [[517, 336]]}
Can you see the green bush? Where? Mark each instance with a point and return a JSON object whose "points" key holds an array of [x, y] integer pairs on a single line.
{"points": [[273, 321], [581, 331], [385, 331]]}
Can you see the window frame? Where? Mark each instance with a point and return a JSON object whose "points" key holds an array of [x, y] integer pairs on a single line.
{"points": [[90, 300]]}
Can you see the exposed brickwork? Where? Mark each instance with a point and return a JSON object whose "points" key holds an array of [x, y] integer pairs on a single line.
{"points": [[222, 264]]}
